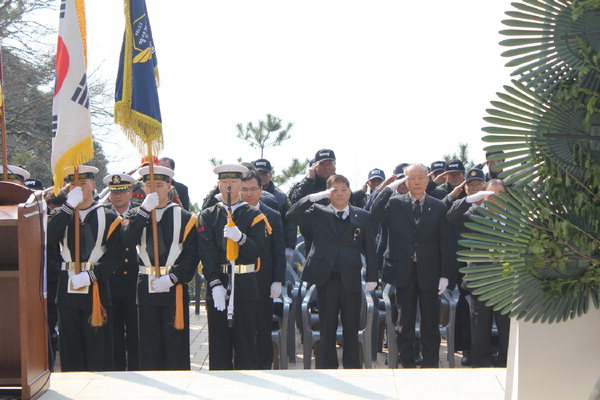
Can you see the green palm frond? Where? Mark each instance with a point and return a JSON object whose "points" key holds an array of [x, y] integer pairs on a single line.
{"points": [[534, 252], [512, 268], [553, 42], [537, 135]]}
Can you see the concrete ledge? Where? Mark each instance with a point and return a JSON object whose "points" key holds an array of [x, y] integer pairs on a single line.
{"points": [[379, 384]]}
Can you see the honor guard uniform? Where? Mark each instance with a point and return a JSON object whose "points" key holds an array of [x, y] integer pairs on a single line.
{"points": [[123, 282], [162, 299], [15, 174], [231, 338], [83, 298]]}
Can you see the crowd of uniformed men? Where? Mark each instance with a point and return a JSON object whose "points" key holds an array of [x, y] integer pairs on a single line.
{"points": [[400, 230]]}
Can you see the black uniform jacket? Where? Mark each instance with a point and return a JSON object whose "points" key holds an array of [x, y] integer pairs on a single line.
{"points": [[123, 279], [185, 265], [272, 256], [283, 205], [212, 246], [428, 240], [328, 248], [62, 218]]}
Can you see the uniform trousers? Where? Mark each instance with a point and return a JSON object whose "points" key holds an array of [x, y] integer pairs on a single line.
{"points": [[481, 335], [162, 347], [333, 300], [232, 347], [429, 306], [125, 334], [264, 326], [52, 314], [83, 347]]}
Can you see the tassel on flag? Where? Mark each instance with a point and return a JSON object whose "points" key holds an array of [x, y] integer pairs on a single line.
{"points": [[137, 109], [72, 143]]}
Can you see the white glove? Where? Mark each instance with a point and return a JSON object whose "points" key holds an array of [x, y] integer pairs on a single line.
{"points": [[320, 195], [162, 284], [75, 197], [370, 286], [394, 185], [289, 253], [80, 280], [219, 294], [275, 290], [232, 232], [104, 193], [150, 202], [442, 285], [218, 197], [474, 198]]}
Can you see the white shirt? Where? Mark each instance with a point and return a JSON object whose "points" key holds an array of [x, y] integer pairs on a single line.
{"points": [[346, 211]]}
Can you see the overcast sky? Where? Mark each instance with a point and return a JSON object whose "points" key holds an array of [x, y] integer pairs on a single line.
{"points": [[379, 82]]}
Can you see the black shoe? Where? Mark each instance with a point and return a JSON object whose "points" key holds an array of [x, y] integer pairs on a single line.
{"points": [[466, 359], [419, 360]]}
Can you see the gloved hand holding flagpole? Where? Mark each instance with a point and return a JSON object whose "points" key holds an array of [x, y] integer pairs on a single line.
{"points": [[233, 250]]}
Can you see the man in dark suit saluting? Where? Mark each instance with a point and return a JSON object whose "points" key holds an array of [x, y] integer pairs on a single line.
{"points": [[416, 261], [341, 233]]}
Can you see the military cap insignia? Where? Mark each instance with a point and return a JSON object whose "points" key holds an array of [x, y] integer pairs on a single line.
{"points": [[473, 173], [116, 180]]}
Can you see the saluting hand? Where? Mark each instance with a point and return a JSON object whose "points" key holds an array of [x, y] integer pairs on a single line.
{"points": [[394, 185], [457, 191], [312, 171], [320, 195], [479, 196], [441, 178]]}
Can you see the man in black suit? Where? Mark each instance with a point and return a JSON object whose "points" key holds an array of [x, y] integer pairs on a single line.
{"points": [[272, 267], [482, 316], [182, 190], [416, 261], [341, 233]]}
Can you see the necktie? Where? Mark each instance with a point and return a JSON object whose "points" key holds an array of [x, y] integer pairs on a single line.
{"points": [[340, 215], [417, 211]]}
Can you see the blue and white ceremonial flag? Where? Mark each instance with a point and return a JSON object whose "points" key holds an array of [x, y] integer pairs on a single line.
{"points": [[137, 109], [72, 142]]}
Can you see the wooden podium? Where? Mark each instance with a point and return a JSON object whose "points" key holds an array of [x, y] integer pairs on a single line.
{"points": [[23, 328]]}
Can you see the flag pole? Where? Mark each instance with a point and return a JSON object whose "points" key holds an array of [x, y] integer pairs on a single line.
{"points": [[154, 223], [3, 123], [76, 231]]}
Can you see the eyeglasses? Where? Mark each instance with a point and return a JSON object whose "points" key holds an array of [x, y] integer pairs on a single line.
{"points": [[251, 189]]}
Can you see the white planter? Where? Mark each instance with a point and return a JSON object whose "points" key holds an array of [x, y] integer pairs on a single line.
{"points": [[554, 361]]}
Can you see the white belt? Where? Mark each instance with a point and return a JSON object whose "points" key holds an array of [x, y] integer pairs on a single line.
{"points": [[70, 266], [239, 268], [150, 270]]}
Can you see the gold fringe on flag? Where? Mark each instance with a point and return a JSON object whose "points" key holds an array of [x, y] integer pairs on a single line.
{"points": [[139, 128], [79, 154], [133, 123], [80, 5]]}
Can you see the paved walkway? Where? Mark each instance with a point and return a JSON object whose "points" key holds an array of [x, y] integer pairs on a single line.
{"points": [[296, 383], [380, 384]]}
